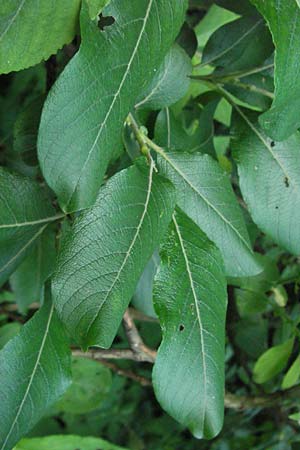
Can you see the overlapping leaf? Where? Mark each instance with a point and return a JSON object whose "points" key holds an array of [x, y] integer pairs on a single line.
{"points": [[170, 132], [283, 18], [28, 280], [54, 22], [269, 180], [204, 193], [81, 125], [105, 254], [190, 300], [34, 373], [25, 210], [170, 82], [240, 44]]}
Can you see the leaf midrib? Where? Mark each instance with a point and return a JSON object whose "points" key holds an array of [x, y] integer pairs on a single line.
{"points": [[31, 222], [39, 355], [28, 243], [223, 218], [198, 314], [238, 41], [128, 252], [117, 93], [269, 148]]}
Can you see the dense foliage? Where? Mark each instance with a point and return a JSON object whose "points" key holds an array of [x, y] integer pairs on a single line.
{"points": [[149, 224]]}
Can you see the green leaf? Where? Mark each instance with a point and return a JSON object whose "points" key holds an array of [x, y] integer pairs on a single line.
{"points": [[23, 158], [213, 19], [8, 331], [34, 373], [54, 25], [170, 82], [143, 296], [272, 170], [204, 193], [28, 280], [256, 90], [104, 256], [292, 376], [241, 44], [91, 383], [171, 133], [25, 211], [95, 7], [69, 442], [81, 126], [283, 18], [272, 362], [190, 301]]}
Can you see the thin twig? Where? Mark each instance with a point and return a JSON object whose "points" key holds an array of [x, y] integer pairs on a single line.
{"points": [[127, 373], [99, 354]]}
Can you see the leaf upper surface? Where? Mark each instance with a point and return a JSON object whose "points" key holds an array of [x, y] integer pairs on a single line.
{"points": [[54, 25], [34, 373], [105, 254], [25, 211], [204, 193], [170, 83], [81, 125], [190, 300], [271, 169]]}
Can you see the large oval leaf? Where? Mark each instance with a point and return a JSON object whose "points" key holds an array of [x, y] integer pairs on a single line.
{"points": [[190, 301], [35, 370], [204, 193], [105, 254], [269, 179], [81, 125]]}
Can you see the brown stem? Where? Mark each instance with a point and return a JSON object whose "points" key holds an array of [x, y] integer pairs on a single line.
{"points": [[135, 341], [115, 353], [127, 373]]}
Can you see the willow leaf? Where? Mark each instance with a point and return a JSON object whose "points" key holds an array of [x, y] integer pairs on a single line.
{"points": [[25, 211], [35, 371], [204, 193], [106, 252], [82, 121], [190, 301], [270, 169]]}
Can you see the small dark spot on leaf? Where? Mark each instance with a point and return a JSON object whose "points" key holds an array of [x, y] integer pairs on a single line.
{"points": [[105, 21], [276, 207], [272, 144], [181, 327], [286, 181]]}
